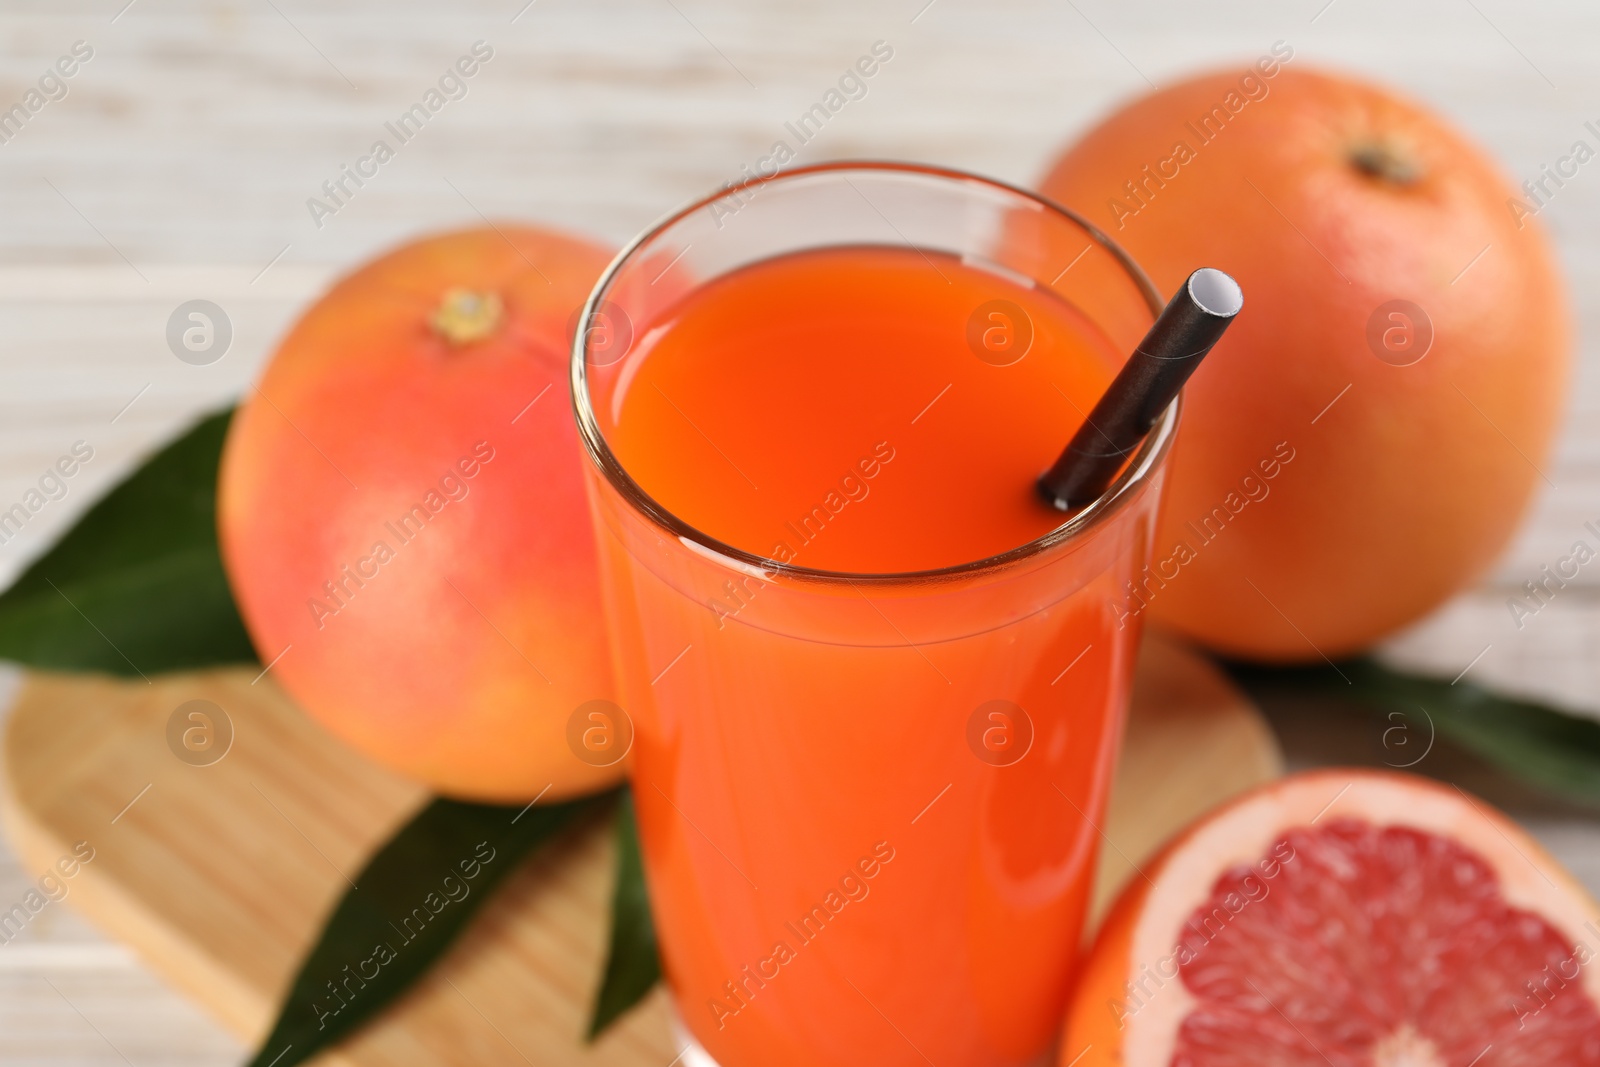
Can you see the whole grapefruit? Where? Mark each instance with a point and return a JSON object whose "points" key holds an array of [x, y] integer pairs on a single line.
{"points": [[1363, 441], [1344, 917], [403, 521]]}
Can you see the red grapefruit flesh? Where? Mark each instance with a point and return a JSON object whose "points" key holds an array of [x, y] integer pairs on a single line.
{"points": [[1349, 918]]}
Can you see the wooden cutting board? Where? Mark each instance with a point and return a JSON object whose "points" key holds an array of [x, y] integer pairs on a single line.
{"points": [[220, 875]]}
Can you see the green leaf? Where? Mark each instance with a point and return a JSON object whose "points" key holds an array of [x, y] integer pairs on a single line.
{"points": [[409, 903], [1550, 749], [137, 586], [633, 965]]}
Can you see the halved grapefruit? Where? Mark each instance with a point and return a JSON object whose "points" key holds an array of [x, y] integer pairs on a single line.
{"points": [[1344, 918]]}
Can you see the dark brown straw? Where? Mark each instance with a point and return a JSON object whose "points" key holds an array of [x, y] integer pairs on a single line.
{"points": [[1180, 338]]}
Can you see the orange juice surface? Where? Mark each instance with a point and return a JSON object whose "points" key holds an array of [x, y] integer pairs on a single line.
{"points": [[781, 399], [867, 806]]}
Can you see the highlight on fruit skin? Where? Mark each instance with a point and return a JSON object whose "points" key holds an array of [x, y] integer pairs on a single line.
{"points": [[1344, 916], [403, 520], [1363, 442]]}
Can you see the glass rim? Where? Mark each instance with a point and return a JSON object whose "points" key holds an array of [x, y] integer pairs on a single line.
{"points": [[1145, 460]]}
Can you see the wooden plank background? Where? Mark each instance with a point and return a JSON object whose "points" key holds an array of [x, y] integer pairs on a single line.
{"points": [[179, 162]]}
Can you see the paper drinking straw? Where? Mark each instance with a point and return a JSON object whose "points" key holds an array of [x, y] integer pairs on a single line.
{"points": [[1180, 338]]}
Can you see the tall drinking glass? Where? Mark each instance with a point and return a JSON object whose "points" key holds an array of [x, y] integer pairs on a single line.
{"points": [[867, 802]]}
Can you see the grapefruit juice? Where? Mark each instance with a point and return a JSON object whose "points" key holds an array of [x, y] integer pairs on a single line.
{"points": [[869, 758], [928, 391]]}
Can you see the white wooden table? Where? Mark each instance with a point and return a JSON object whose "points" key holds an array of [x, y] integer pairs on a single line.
{"points": [[179, 163]]}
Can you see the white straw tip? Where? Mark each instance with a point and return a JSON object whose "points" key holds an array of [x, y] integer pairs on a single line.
{"points": [[1215, 292]]}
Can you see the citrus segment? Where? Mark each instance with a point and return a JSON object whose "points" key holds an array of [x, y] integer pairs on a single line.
{"points": [[1346, 918]]}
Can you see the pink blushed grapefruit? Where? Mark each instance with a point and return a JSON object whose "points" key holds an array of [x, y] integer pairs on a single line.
{"points": [[402, 517], [1364, 441]]}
